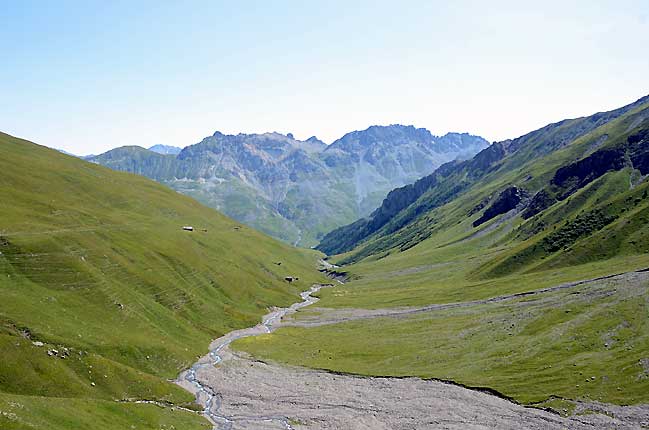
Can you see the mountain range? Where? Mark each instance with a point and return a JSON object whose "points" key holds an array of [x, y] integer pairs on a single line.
{"points": [[531, 181], [291, 189]]}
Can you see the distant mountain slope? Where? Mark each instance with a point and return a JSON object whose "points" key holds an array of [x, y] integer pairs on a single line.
{"points": [[135, 159], [522, 177], [297, 190], [96, 269], [165, 149]]}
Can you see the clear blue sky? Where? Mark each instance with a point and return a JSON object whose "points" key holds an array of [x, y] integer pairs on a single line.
{"points": [[91, 75]]}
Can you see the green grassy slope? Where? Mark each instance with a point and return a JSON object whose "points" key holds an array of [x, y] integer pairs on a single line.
{"points": [[596, 224], [408, 214], [94, 263], [240, 202]]}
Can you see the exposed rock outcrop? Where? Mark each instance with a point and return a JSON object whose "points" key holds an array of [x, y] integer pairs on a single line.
{"points": [[507, 200], [541, 201], [575, 175], [447, 181], [165, 149], [407, 216], [568, 179]]}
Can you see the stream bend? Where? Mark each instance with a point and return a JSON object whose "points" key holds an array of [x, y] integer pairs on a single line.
{"points": [[211, 400]]}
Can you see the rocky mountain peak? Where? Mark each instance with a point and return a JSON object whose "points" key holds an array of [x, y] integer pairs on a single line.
{"points": [[314, 139]]}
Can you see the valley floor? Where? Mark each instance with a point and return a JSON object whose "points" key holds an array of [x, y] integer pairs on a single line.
{"points": [[254, 394]]}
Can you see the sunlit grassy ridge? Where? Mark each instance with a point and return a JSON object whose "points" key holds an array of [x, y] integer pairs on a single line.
{"points": [[96, 261]]}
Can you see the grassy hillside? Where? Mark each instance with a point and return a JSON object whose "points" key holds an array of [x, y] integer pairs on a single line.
{"points": [[407, 215], [561, 204], [94, 264]]}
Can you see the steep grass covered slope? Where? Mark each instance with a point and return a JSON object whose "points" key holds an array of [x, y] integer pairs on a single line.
{"points": [[526, 162], [95, 265], [561, 205]]}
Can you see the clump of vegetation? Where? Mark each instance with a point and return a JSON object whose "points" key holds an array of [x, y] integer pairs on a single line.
{"points": [[572, 231]]}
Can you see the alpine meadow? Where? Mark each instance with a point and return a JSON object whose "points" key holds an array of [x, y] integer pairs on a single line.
{"points": [[412, 216]]}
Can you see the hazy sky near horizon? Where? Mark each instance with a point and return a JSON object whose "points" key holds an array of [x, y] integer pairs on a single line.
{"points": [[88, 76]]}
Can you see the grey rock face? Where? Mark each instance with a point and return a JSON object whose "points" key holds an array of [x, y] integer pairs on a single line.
{"points": [[165, 149], [506, 201]]}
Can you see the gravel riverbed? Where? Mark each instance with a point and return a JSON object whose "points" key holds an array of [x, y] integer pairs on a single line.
{"points": [[239, 392]]}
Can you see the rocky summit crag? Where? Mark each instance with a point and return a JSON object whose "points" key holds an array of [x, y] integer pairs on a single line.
{"points": [[298, 190]]}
